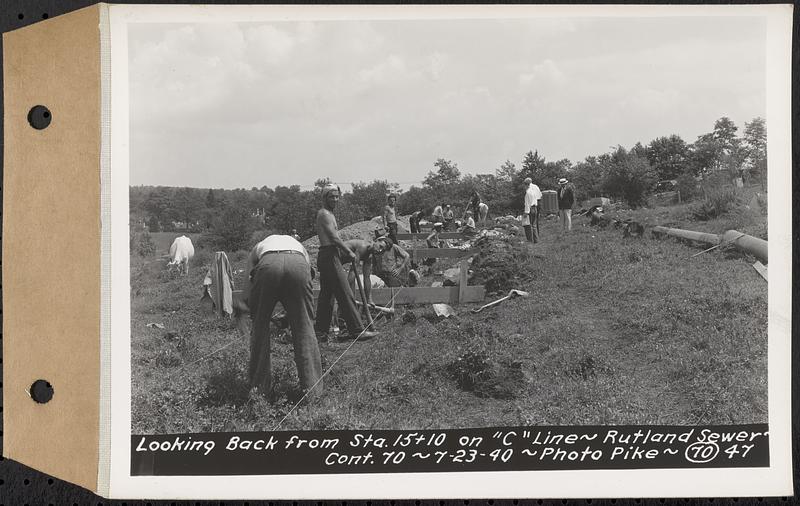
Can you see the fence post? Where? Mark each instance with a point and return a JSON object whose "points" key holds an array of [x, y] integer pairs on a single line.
{"points": [[462, 280]]}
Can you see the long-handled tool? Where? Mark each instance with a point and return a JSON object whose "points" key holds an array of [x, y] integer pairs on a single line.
{"points": [[361, 290], [511, 294], [387, 310]]}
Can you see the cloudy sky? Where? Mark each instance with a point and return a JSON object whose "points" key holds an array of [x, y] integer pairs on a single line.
{"points": [[250, 104]]}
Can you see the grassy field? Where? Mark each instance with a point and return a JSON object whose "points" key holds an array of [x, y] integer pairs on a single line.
{"points": [[616, 331]]}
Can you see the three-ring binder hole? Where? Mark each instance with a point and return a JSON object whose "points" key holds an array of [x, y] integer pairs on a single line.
{"points": [[41, 391], [45, 16], [20, 16], [39, 117]]}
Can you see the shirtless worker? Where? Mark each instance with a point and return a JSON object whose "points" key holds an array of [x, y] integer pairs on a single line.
{"points": [[391, 265], [390, 216], [332, 278], [365, 252]]}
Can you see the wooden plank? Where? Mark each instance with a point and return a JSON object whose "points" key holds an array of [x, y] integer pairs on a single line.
{"points": [[462, 280], [424, 235], [442, 253], [761, 269], [425, 295]]}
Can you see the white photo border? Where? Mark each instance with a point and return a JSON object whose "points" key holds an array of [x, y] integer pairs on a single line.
{"points": [[736, 482]]}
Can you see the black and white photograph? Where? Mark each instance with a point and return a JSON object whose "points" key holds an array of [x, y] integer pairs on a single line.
{"points": [[414, 224]]}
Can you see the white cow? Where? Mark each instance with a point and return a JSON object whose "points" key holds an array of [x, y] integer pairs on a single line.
{"points": [[180, 253]]}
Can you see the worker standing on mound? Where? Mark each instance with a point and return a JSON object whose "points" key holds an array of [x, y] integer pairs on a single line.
{"points": [[332, 278], [390, 216]]}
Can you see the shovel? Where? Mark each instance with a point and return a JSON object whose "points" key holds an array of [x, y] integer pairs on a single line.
{"points": [[511, 294]]}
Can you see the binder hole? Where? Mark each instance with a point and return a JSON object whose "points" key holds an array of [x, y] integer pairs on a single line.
{"points": [[41, 391], [45, 16], [39, 117], [20, 16], [26, 481]]}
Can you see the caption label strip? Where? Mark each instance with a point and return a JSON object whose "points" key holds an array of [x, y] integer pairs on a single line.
{"points": [[488, 449]]}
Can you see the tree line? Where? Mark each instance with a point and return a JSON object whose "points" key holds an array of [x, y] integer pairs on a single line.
{"points": [[228, 218]]}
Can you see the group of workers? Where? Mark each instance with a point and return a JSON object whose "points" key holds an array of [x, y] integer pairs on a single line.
{"points": [[281, 271], [530, 216]]}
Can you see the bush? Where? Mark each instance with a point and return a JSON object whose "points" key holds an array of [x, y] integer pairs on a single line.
{"points": [[153, 225], [146, 247], [687, 187], [718, 201]]}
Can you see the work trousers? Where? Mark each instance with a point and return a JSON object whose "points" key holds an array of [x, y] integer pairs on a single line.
{"points": [[284, 278], [566, 219], [392, 231], [531, 232], [333, 284], [414, 225]]}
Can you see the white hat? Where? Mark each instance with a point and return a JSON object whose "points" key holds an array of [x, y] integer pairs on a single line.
{"points": [[563, 180], [438, 224]]}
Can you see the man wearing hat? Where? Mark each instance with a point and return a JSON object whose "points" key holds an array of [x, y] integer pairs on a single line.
{"points": [[390, 216], [531, 214], [332, 278], [566, 199]]}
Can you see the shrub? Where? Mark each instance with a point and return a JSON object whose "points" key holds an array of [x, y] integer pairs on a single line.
{"points": [[153, 225], [687, 187], [718, 201], [146, 247]]}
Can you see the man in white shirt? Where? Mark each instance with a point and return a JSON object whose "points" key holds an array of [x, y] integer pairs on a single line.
{"points": [[532, 197], [280, 271]]}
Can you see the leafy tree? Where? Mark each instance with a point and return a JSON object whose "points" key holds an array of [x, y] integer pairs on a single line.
{"points": [[506, 172], [725, 133], [159, 204], [415, 199], [211, 199], [705, 154], [533, 167], [669, 156], [755, 148], [587, 177], [230, 230], [369, 198], [446, 175], [629, 177], [185, 206]]}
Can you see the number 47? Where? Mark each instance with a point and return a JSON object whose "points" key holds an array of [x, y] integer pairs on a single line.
{"points": [[734, 450]]}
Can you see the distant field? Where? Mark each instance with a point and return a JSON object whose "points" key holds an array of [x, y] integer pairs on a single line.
{"points": [[616, 331]]}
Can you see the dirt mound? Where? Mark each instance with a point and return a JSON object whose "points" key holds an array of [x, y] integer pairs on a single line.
{"points": [[360, 230], [475, 372], [500, 264]]}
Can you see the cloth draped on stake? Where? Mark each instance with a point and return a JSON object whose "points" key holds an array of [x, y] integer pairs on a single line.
{"points": [[218, 284]]}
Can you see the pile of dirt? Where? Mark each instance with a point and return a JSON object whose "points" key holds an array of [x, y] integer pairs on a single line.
{"points": [[475, 372], [500, 264], [360, 230]]}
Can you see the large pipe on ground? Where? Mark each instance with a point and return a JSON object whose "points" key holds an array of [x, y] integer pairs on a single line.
{"points": [[747, 243], [688, 234], [743, 242]]}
